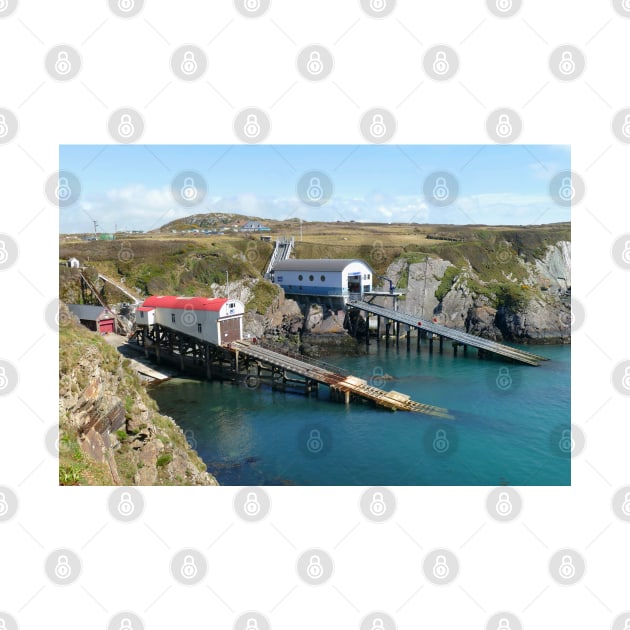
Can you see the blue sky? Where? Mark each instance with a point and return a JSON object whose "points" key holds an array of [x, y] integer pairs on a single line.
{"points": [[129, 186]]}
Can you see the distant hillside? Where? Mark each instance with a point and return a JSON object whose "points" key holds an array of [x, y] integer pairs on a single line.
{"points": [[211, 221], [494, 262]]}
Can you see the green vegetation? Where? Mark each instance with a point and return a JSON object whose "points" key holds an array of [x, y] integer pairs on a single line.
{"points": [[511, 296], [80, 353], [164, 459], [76, 468], [186, 264], [263, 295], [448, 280]]}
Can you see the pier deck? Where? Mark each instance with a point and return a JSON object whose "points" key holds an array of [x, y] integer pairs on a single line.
{"points": [[348, 386], [465, 339]]}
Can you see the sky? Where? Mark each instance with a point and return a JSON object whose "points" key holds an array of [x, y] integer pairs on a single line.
{"points": [[135, 187]]}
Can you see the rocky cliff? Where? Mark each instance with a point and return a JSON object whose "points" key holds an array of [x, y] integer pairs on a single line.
{"points": [[506, 296], [110, 429]]}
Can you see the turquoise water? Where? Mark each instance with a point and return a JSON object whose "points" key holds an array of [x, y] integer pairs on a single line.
{"points": [[514, 434]]}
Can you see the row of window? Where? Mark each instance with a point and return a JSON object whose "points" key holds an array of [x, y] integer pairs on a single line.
{"points": [[173, 321], [311, 278]]}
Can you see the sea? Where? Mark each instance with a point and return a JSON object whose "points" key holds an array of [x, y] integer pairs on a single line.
{"points": [[510, 425]]}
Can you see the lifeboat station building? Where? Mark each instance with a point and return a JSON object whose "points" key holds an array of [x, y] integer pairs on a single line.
{"points": [[215, 320], [327, 277]]}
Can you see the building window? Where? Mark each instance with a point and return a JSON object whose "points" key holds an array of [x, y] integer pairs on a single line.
{"points": [[231, 305], [311, 278], [142, 314], [198, 328], [322, 278], [172, 318], [279, 278], [300, 277]]}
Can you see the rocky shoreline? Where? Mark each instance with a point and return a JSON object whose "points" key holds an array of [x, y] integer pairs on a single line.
{"points": [[110, 429]]}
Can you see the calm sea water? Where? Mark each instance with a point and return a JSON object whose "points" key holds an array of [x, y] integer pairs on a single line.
{"points": [[511, 424]]}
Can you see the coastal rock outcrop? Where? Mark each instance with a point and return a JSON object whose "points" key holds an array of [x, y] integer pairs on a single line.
{"points": [[110, 430], [511, 298]]}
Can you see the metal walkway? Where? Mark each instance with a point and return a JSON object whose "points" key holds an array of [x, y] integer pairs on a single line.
{"points": [[136, 300], [460, 337], [282, 251], [347, 385]]}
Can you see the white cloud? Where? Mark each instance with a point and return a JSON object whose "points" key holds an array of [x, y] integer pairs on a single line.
{"points": [[137, 207]]}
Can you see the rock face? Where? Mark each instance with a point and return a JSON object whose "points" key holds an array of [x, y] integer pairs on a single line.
{"points": [[283, 320], [105, 411], [528, 303]]}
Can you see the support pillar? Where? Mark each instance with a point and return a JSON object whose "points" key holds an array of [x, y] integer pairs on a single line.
{"points": [[441, 344], [378, 330], [208, 364], [431, 344]]}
